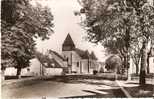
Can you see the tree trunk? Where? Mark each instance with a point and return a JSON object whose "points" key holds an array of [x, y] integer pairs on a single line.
{"points": [[126, 63], [148, 61], [143, 68], [148, 71], [18, 72], [127, 42], [137, 68]]}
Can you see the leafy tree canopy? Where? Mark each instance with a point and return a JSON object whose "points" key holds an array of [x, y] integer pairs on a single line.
{"points": [[119, 24], [113, 62], [21, 23]]}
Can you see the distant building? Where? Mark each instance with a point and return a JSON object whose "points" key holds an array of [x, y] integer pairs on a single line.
{"points": [[72, 60], [78, 61], [34, 69], [43, 67]]}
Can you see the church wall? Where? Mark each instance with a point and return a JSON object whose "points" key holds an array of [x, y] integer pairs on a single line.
{"points": [[151, 64], [84, 66], [73, 60], [92, 66], [76, 61]]}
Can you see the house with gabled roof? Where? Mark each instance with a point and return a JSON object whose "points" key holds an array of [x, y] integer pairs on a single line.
{"points": [[44, 65], [78, 61]]}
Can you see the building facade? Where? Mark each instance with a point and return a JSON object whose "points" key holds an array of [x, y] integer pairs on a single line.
{"points": [[78, 61]]}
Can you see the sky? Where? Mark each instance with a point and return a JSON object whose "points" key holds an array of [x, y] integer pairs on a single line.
{"points": [[66, 22]]}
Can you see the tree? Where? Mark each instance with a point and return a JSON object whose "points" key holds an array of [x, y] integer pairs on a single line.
{"points": [[144, 26], [127, 20], [113, 63], [135, 54], [21, 24], [109, 22]]}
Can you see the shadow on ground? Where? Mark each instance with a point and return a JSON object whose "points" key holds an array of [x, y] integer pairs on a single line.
{"points": [[140, 91], [135, 92], [116, 93]]}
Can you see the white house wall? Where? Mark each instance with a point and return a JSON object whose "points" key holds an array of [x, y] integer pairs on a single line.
{"points": [[53, 71], [151, 64], [34, 67], [10, 71], [85, 66]]}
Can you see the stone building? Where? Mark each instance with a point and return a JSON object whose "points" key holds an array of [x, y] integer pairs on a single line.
{"points": [[78, 61]]}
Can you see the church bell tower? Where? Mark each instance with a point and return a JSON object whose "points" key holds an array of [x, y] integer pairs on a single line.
{"points": [[68, 44]]}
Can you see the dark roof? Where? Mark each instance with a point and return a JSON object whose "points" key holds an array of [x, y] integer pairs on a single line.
{"points": [[68, 41], [93, 56], [79, 52], [50, 61], [86, 55], [53, 64], [82, 54], [57, 54]]}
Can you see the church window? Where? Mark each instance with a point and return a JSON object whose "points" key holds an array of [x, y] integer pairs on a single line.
{"points": [[77, 64]]}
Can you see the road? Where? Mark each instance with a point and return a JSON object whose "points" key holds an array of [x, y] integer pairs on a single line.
{"points": [[50, 88]]}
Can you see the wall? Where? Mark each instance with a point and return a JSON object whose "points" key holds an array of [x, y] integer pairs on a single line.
{"points": [[80, 65], [53, 71], [73, 59], [34, 67], [85, 66], [10, 71], [151, 64]]}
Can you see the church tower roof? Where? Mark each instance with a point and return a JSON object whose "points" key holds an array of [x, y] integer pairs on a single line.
{"points": [[68, 40], [68, 43]]}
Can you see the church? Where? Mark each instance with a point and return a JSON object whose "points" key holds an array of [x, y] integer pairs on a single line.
{"points": [[78, 61]]}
